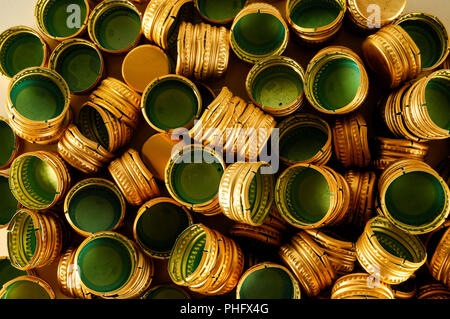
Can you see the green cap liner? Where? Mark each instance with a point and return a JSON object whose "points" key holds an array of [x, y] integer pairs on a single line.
{"points": [[171, 102], [95, 205], [415, 198], [159, 226], [315, 13], [80, 65], [25, 289], [267, 283], [105, 263], [22, 239], [220, 11], [259, 33], [56, 18], [118, 27], [20, 49], [437, 97]]}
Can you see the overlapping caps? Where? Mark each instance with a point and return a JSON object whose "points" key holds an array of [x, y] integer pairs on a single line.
{"points": [[418, 110], [105, 124], [400, 51]]}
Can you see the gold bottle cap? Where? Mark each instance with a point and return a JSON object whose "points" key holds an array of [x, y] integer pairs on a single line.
{"points": [[362, 11], [143, 64]]}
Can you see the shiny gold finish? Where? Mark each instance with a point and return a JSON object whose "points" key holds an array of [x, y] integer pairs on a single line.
{"points": [[133, 178], [434, 290], [309, 263], [376, 260], [359, 12], [47, 231], [360, 286], [221, 263], [439, 264], [391, 150], [362, 196], [69, 278], [33, 279], [203, 51]]}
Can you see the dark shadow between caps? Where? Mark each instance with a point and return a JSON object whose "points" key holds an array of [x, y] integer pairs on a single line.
{"points": [[337, 83], [55, 17], [166, 292], [80, 64], [259, 33], [105, 264], [171, 102], [222, 11], [92, 125], [313, 14], [415, 198], [8, 203], [7, 143], [20, 50], [305, 194], [266, 282], [159, 226], [94, 206], [8, 272], [116, 28]]}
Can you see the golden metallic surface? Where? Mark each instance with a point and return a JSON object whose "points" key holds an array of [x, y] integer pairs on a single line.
{"points": [[360, 286], [360, 12], [433, 290], [68, 277], [439, 264], [34, 279]]}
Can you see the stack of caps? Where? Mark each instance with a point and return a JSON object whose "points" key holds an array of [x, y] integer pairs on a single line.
{"points": [[115, 26], [391, 150], [105, 124], [434, 290], [161, 20], [258, 31], [205, 261], [94, 205], [438, 245], [388, 253], [34, 239], [246, 193], [362, 196], [416, 42], [11, 144], [38, 105], [413, 197], [340, 252], [127, 272], [361, 13], [234, 125], [39, 180], [133, 178], [202, 50], [68, 276], [309, 262], [268, 281], [324, 87], [21, 47], [310, 196], [305, 138], [275, 84], [419, 111], [360, 286], [27, 287], [193, 176], [52, 23], [270, 232], [315, 21], [351, 144], [158, 224]]}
